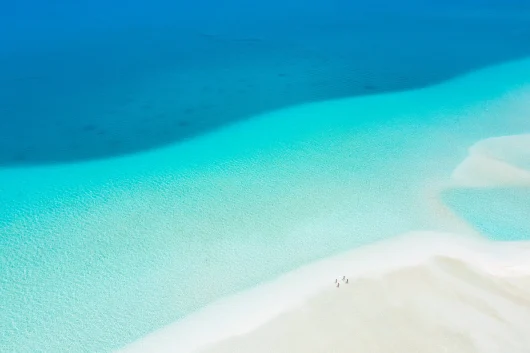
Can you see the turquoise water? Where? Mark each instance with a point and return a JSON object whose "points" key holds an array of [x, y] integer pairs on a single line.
{"points": [[498, 213], [97, 254]]}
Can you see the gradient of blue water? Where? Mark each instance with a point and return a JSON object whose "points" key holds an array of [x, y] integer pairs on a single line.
{"points": [[89, 80]]}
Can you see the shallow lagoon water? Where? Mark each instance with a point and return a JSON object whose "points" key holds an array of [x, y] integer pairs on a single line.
{"points": [[498, 213], [95, 255]]}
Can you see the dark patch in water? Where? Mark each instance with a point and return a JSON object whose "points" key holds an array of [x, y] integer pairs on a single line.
{"points": [[29, 79], [89, 127], [20, 157], [248, 40], [115, 143]]}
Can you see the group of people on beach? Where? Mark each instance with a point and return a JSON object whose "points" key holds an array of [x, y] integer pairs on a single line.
{"points": [[344, 279]]}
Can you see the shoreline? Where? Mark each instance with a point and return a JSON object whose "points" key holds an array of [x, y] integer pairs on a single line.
{"points": [[252, 309], [458, 300]]}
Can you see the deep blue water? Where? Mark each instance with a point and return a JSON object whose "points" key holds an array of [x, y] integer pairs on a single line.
{"points": [[89, 80]]}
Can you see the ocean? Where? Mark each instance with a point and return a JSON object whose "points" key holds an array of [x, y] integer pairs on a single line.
{"points": [[155, 158]]}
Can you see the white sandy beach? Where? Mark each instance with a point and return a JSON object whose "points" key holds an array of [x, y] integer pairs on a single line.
{"points": [[420, 292], [457, 300]]}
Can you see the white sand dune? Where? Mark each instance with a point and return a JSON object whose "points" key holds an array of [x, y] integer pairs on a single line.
{"points": [[455, 301]]}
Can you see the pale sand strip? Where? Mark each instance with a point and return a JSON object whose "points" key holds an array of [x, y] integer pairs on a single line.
{"points": [[392, 283], [489, 163], [459, 300]]}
